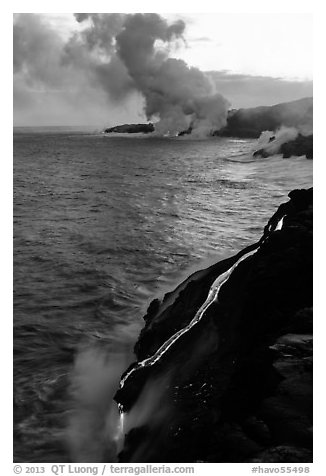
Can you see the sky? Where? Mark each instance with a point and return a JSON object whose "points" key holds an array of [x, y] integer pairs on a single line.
{"points": [[252, 59]]}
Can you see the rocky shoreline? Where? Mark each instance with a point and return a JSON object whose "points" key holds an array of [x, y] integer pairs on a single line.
{"points": [[300, 146], [246, 123], [237, 387], [251, 122]]}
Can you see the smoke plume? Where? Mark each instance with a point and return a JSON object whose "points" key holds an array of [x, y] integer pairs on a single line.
{"points": [[126, 56], [53, 89], [131, 53], [271, 142]]}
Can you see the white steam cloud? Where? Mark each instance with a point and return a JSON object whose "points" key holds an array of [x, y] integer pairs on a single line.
{"points": [[272, 141], [131, 53], [128, 58], [92, 433]]}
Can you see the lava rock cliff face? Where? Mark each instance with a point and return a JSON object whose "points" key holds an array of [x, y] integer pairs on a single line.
{"points": [[237, 387], [251, 122]]}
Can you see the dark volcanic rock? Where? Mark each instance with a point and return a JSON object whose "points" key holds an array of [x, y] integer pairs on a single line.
{"points": [[283, 454], [237, 386], [131, 128], [301, 145], [247, 123], [251, 122], [185, 132]]}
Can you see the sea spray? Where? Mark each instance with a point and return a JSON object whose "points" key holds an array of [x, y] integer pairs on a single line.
{"points": [[153, 409], [93, 433], [271, 142]]}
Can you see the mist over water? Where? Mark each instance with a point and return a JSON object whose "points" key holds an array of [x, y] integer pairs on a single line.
{"points": [[102, 225], [93, 432]]}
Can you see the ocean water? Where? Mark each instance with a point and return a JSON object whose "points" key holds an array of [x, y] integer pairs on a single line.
{"points": [[102, 225]]}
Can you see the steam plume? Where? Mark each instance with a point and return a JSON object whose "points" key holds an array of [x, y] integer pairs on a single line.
{"points": [[282, 135], [131, 53], [271, 142], [94, 418], [117, 68]]}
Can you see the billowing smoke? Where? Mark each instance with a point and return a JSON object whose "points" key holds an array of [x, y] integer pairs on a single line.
{"points": [[117, 68], [130, 53], [272, 141], [113, 60], [289, 141], [50, 91]]}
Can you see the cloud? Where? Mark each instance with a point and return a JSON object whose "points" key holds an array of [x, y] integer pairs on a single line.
{"points": [[120, 68], [36, 51], [250, 91], [50, 90], [132, 53]]}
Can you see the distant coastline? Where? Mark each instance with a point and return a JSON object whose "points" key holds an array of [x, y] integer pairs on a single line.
{"points": [[246, 123]]}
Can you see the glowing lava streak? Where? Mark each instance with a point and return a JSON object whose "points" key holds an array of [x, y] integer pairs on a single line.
{"points": [[212, 296], [119, 437], [280, 224]]}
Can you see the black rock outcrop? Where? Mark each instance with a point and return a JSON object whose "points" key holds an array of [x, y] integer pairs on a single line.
{"points": [[251, 122], [246, 122], [237, 386], [131, 129], [300, 146]]}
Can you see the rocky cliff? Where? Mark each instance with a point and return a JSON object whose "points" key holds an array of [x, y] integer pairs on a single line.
{"points": [[251, 122], [225, 360]]}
